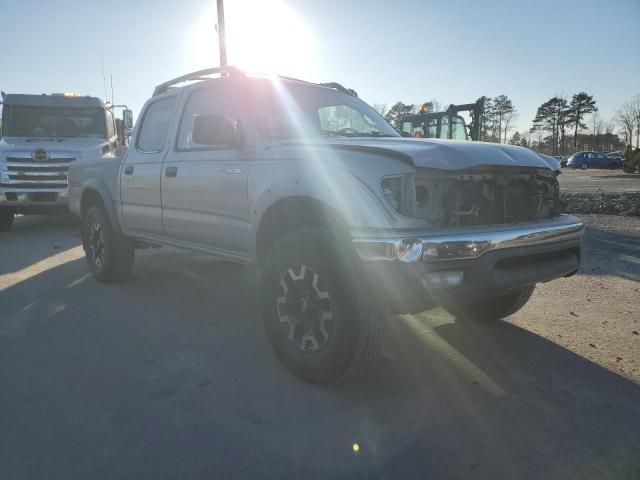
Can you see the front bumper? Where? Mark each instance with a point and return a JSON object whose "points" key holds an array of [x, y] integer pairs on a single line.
{"points": [[488, 261], [34, 201]]}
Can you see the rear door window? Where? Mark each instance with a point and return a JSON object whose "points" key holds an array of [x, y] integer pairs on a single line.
{"points": [[155, 124]]}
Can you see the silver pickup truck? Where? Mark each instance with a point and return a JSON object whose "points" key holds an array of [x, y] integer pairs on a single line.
{"points": [[347, 221]]}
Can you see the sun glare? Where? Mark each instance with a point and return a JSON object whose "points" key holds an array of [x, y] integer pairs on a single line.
{"points": [[264, 36]]}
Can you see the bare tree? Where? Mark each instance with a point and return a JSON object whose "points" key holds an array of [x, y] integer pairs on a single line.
{"points": [[438, 106], [609, 127], [596, 123], [508, 122], [626, 120], [635, 111], [381, 108]]}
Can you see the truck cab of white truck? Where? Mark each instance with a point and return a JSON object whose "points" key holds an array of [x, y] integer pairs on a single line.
{"points": [[41, 136]]}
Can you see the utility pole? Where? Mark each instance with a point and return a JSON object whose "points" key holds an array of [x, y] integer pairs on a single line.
{"points": [[222, 41]]}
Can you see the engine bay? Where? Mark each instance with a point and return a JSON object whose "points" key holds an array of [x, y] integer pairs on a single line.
{"points": [[486, 196]]}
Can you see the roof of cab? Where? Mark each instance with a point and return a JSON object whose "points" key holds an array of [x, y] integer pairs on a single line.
{"points": [[27, 100], [231, 72]]}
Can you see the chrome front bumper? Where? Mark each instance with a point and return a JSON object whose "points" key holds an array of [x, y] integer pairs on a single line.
{"points": [[453, 245], [23, 198]]}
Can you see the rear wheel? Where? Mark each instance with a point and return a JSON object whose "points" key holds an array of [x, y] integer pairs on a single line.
{"points": [[497, 307], [316, 315], [6, 219], [109, 254]]}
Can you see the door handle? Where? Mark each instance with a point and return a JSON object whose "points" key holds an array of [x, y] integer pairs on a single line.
{"points": [[128, 170], [232, 171], [171, 172]]}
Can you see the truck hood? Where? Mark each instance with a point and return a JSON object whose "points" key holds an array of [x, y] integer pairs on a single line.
{"points": [[435, 153]]}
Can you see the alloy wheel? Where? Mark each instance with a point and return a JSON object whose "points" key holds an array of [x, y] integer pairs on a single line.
{"points": [[306, 307], [96, 244]]}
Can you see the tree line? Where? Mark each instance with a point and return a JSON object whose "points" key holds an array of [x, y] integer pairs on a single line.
{"points": [[560, 125]]}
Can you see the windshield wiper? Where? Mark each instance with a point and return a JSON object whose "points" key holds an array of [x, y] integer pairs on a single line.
{"points": [[331, 133]]}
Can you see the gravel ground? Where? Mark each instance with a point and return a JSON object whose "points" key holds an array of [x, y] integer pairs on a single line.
{"points": [[596, 313], [627, 203]]}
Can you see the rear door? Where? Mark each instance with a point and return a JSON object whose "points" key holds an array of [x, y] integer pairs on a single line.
{"points": [[204, 187], [141, 204]]}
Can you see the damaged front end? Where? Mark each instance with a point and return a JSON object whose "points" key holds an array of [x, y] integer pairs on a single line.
{"points": [[486, 195]]}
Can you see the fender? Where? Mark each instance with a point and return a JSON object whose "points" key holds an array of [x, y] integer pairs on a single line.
{"points": [[103, 191]]}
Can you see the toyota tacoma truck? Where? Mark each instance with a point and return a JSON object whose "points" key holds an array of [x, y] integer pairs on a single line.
{"points": [[40, 136], [347, 221]]}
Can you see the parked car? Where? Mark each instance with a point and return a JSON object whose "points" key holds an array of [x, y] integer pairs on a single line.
{"points": [[346, 220], [562, 159], [585, 160], [619, 156]]}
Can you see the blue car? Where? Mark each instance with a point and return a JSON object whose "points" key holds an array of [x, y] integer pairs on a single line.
{"points": [[584, 160]]}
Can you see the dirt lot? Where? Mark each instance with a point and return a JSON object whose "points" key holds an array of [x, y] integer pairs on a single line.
{"points": [[169, 376], [596, 314], [594, 180]]}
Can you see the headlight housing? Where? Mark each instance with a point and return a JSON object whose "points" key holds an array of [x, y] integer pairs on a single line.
{"points": [[400, 193]]}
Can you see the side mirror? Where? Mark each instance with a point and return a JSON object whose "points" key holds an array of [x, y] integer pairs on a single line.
{"points": [[215, 130], [127, 119]]}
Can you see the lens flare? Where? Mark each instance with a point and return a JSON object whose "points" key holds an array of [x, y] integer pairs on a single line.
{"points": [[265, 36]]}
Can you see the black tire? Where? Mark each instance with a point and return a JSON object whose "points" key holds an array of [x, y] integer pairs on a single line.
{"points": [[339, 332], [109, 254], [614, 165], [496, 308], [584, 166], [6, 219]]}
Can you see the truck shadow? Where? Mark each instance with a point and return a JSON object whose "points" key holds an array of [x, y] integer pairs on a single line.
{"points": [[22, 245], [179, 349], [610, 253]]}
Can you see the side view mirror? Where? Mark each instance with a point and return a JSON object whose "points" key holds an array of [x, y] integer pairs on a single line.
{"points": [[216, 130], [127, 119]]}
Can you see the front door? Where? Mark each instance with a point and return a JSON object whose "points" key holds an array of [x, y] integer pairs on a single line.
{"points": [[140, 173], [204, 187]]}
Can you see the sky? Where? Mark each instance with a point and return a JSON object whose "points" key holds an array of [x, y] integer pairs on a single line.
{"points": [[388, 51]]}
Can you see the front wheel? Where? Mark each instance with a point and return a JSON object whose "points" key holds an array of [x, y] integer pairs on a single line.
{"points": [[497, 307], [6, 219], [109, 254], [316, 315], [584, 166]]}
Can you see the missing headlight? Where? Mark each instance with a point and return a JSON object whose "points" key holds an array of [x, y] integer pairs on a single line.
{"points": [[392, 189], [400, 192]]}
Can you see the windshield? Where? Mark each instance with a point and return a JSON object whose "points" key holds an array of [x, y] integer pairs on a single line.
{"points": [[19, 121], [298, 111]]}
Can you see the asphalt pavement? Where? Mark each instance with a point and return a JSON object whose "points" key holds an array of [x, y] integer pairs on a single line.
{"points": [[169, 376]]}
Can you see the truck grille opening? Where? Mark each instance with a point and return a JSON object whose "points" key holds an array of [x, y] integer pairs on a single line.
{"points": [[27, 173], [43, 197], [486, 196]]}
